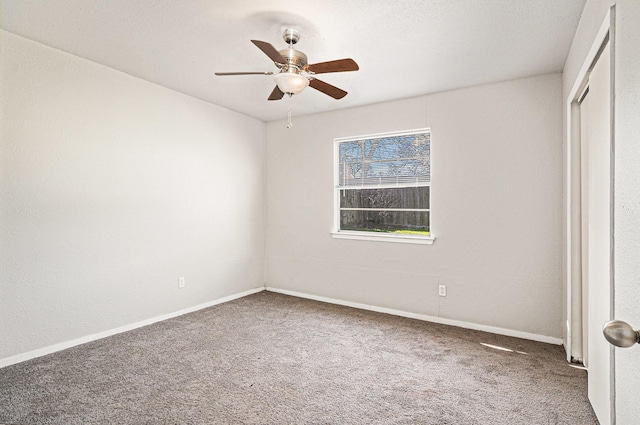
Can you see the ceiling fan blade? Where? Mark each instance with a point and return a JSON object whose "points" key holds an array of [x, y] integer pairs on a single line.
{"points": [[276, 94], [340, 65], [327, 89], [244, 73], [270, 51]]}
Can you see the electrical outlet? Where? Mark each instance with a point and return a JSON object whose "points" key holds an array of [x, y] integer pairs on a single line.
{"points": [[181, 282], [442, 290]]}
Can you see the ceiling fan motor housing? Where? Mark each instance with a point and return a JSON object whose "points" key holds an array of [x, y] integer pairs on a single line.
{"points": [[295, 58]]}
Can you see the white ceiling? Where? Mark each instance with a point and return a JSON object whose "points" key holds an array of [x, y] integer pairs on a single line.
{"points": [[404, 48]]}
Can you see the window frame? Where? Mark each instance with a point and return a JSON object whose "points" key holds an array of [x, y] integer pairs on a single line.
{"points": [[336, 233]]}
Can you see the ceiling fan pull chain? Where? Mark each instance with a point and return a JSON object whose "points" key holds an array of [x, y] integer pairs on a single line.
{"points": [[289, 124]]}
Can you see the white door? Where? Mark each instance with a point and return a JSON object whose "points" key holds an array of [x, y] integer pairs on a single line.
{"points": [[595, 116]]}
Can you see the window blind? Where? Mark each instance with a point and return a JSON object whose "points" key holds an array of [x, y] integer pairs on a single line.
{"points": [[385, 162]]}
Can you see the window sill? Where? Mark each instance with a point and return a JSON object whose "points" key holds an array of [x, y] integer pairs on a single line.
{"points": [[384, 237]]}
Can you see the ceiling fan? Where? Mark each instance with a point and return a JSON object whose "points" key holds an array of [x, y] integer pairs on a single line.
{"points": [[294, 73]]}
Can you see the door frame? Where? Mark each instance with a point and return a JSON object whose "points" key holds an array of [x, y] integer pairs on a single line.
{"points": [[573, 241]]}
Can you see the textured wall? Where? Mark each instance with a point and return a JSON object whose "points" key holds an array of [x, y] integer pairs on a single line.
{"points": [[496, 199], [110, 189]]}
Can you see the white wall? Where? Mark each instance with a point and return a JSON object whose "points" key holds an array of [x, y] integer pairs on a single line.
{"points": [[496, 199], [110, 189], [626, 178]]}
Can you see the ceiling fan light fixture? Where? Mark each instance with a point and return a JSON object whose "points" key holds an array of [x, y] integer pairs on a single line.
{"points": [[291, 83]]}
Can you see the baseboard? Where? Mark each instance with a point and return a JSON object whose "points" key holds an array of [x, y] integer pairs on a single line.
{"points": [[426, 318], [83, 340], [467, 325]]}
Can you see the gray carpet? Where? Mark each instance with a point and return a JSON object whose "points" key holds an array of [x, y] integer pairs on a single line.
{"points": [[274, 359]]}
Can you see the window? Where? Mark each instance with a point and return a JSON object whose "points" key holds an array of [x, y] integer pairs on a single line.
{"points": [[383, 187]]}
